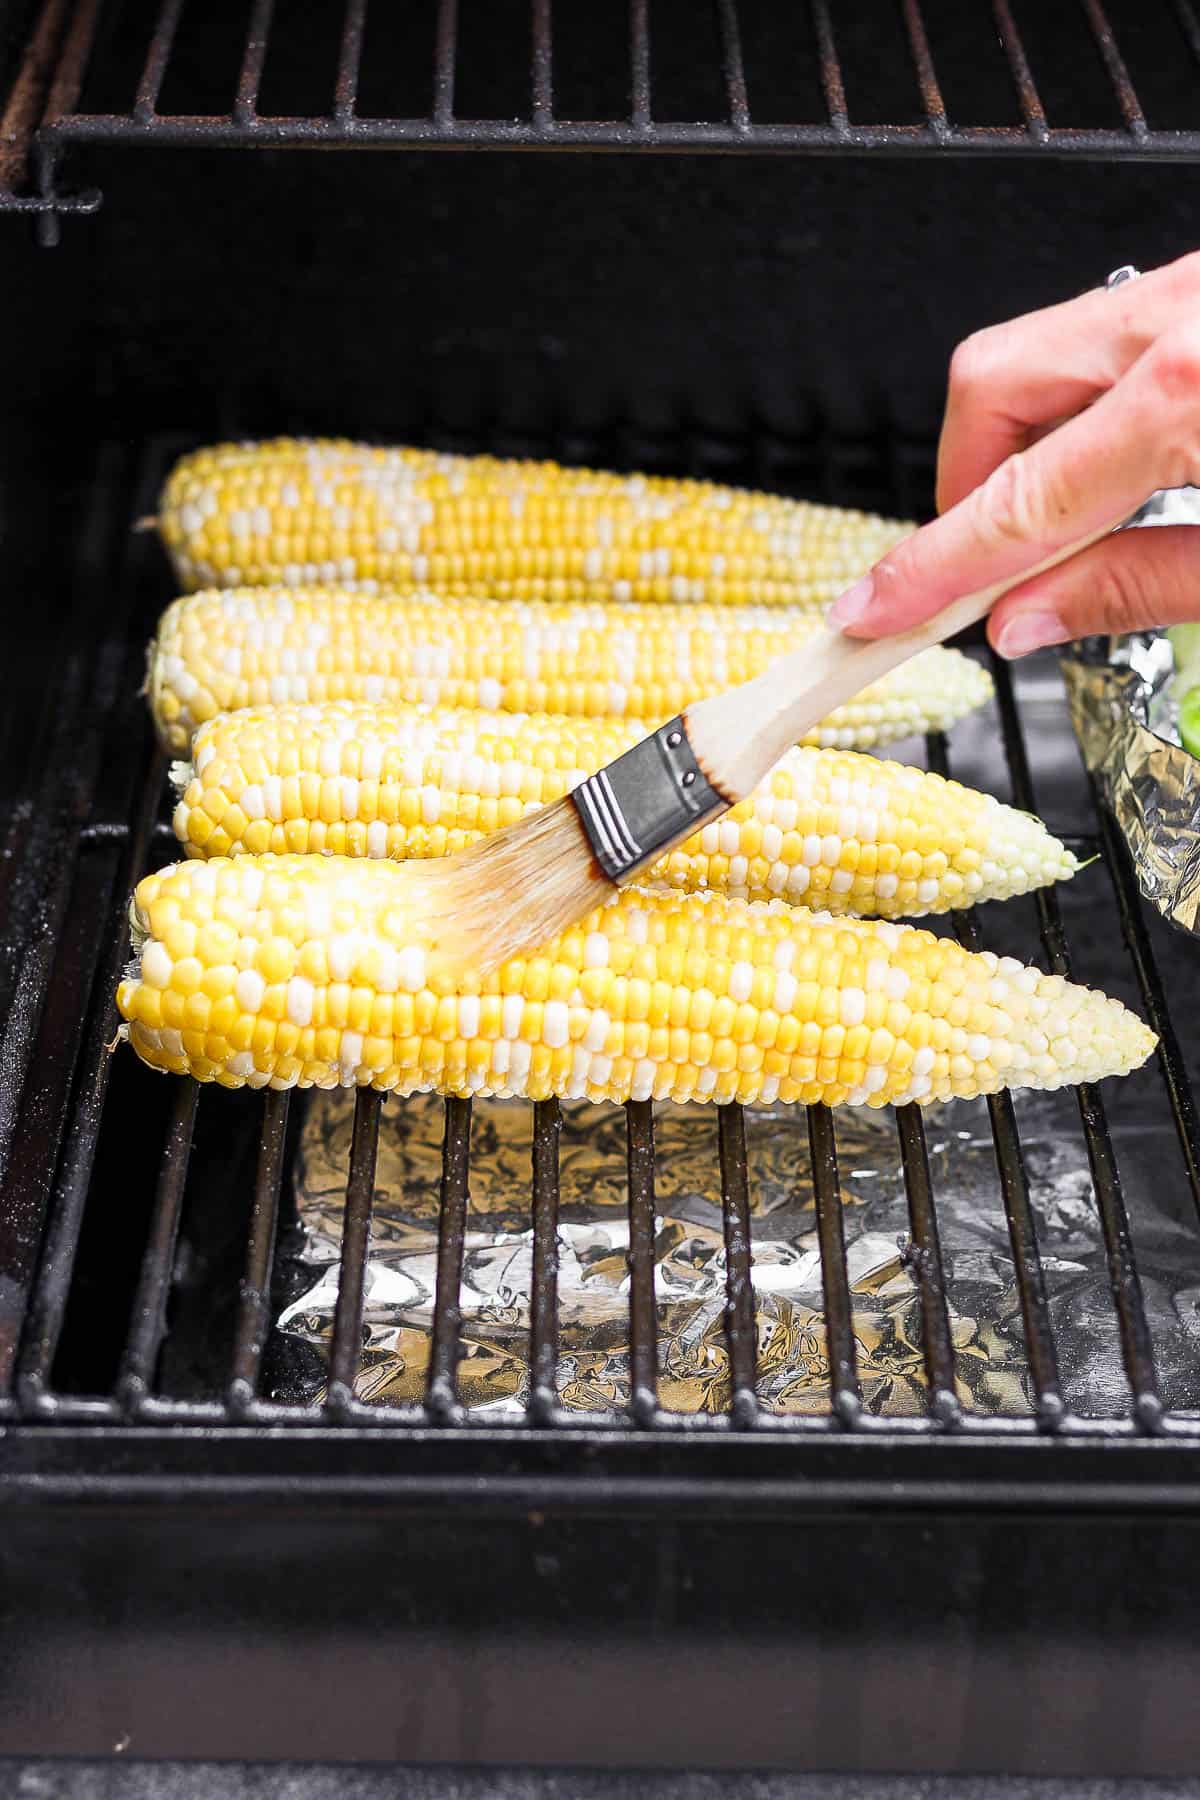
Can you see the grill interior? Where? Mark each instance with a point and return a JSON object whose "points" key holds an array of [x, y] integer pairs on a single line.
{"points": [[904, 79], [196, 1543], [169, 1229]]}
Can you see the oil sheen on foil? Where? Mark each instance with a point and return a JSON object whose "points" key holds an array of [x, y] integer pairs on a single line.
{"points": [[693, 1367]]}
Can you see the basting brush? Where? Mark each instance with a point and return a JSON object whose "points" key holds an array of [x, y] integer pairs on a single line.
{"points": [[519, 887]]}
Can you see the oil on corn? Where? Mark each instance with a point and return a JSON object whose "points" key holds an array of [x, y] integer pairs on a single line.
{"points": [[834, 829], [220, 650]]}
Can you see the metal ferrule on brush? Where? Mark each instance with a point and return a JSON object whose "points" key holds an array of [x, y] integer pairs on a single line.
{"points": [[646, 801]]}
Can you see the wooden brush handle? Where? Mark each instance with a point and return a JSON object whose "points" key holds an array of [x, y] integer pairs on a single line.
{"points": [[740, 736]]}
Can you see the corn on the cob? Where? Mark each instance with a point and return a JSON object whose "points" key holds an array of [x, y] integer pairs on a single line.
{"points": [[300, 513], [837, 830], [217, 651], [311, 971]]}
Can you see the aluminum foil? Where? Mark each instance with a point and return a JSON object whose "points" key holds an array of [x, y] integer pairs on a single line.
{"points": [[1124, 717], [693, 1369]]}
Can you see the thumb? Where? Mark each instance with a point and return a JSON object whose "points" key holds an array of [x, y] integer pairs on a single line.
{"points": [[1130, 581]]}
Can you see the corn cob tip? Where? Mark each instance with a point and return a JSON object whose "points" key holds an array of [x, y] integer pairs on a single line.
{"points": [[310, 971]]}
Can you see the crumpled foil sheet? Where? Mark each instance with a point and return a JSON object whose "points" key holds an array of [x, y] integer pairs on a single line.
{"points": [[1126, 721], [1124, 718], [693, 1370]]}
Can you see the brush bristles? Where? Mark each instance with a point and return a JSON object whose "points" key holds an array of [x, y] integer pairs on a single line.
{"points": [[514, 890]]}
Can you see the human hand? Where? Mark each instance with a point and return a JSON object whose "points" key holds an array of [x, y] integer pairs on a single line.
{"points": [[1058, 424]]}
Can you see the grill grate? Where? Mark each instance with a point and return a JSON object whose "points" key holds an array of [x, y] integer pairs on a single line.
{"points": [[53, 1189], [71, 51]]}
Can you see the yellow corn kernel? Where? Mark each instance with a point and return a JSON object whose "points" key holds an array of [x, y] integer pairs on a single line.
{"points": [[797, 836], [221, 650], [295, 512], [813, 1041]]}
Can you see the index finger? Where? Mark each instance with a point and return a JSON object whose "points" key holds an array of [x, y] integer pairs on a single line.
{"points": [[1090, 473]]}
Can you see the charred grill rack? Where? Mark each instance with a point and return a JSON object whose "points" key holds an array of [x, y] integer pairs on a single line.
{"points": [[53, 1119], [230, 1497], [189, 1555], [927, 59]]}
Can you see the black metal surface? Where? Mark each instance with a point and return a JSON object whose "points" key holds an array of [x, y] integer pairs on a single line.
{"points": [[48, 110], [360, 1198], [75, 1458], [56, 1779], [543, 1324], [844, 1396], [1010, 1166], [924, 1257], [643, 1325], [741, 1330], [137, 1392], [148, 1321], [254, 1316], [185, 1565], [441, 1398], [1126, 1290]]}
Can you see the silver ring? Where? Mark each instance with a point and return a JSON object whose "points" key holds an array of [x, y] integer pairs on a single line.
{"points": [[1126, 272]]}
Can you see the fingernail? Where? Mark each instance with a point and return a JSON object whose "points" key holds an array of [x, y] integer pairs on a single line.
{"points": [[853, 605], [1031, 631]]}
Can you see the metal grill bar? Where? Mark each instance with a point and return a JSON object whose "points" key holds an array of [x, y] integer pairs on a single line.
{"points": [[135, 1400], [1137, 940], [356, 1243], [1189, 24], [444, 131], [1136, 1348], [845, 1395], [19, 117], [72, 63], [63, 98], [245, 106], [543, 1322], [253, 1310], [154, 69], [732, 66], [1014, 1186], [149, 1317], [1028, 97], [639, 64], [1114, 64], [345, 92], [927, 81], [542, 66], [441, 1396], [643, 1325], [25, 142], [1022, 1235], [444, 57], [925, 1259], [40, 859], [740, 1326], [832, 84], [58, 1256]]}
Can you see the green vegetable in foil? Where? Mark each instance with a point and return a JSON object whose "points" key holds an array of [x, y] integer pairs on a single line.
{"points": [[1185, 647]]}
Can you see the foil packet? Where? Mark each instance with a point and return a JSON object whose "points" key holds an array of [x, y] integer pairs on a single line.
{"points": [[1123, 717], [1126, 719]]}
